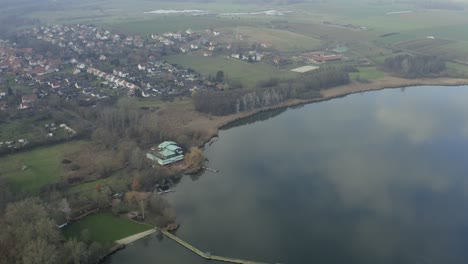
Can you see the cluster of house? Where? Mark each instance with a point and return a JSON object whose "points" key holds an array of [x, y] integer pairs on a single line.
{"points": [[251, 56], [14, 144], [152, 78], [322, 56], [81, 38], [40, 73], [171, 38], [25, 61], [49, 130], [118, 82]]}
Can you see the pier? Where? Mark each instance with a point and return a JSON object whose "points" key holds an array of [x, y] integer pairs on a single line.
{"points": [[205, 255], [131, 239]]}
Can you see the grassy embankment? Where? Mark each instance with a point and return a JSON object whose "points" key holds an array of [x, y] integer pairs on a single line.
{"points": [[42, 167], [105, 228]]}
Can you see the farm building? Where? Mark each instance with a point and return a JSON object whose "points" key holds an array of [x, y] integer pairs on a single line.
{"points": [[166, 153], [319, 56]]}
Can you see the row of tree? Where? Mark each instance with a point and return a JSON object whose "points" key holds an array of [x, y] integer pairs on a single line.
{"points": [[269, 92], [413, 66]]}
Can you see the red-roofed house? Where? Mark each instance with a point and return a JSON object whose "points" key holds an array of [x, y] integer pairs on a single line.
{"points": [[28, 101]]}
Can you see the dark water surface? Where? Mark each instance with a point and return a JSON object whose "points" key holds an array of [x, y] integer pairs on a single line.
{"points": [[380, 177]]}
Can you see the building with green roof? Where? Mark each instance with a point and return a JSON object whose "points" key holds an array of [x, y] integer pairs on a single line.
{"points": [[166, 153]]}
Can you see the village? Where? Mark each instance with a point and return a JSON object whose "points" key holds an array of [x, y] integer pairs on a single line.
{"points": [[94, 63]]}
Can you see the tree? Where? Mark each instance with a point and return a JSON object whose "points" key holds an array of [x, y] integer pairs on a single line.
{"points": [[64, 207], [142, 204], [39, 251], [136, 185], [195, 157], [137, 159], [28, 234], [101, 199], [75, 252], [220, 76], [5, 195]]}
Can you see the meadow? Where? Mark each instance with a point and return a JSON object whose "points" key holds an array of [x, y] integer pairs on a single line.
{"points": [[249, 74], [27, 172], [367, 73], [281, 40], [104, 228]]}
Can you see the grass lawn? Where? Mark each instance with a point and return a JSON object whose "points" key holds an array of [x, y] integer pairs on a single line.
{"points": [[105, 227], [249, 74], [88, 186], [43, 167], [367, 73]]}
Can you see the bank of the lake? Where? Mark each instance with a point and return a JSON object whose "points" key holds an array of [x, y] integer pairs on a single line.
{"points": [[371, 178], [177, 117]]}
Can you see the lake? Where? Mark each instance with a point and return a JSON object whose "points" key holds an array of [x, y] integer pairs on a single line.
{"points": [[378, 177]]}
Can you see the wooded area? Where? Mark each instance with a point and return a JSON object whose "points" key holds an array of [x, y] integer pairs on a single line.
{"points": [[269, 92], [415, 66]]}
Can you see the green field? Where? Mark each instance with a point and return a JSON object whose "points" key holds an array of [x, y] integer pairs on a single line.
{"points": [[367, 73], [88, 186], [105, 228], [458, 68], [282, 40], [248, 74], [42, 167]]}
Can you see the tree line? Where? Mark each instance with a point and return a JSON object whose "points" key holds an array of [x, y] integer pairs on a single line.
{"points": [[413, 66], [29, 235], [269, 92]]}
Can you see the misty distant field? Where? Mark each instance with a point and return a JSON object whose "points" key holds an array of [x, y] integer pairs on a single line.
{"points": [[161, 24], [384, 27]]}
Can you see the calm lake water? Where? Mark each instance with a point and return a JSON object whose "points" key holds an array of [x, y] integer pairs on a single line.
{"points": [[380, 177]]}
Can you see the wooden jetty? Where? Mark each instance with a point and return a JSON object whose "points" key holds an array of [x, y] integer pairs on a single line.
{"points": [[205, 255], [131, 239]]}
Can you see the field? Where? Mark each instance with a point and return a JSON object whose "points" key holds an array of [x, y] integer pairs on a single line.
{"points": [[104, 228], [42, 167], [367, 73], [458, 68], [247, 73], [88, 186], [161, 24], [304, 69], [282, 40]]}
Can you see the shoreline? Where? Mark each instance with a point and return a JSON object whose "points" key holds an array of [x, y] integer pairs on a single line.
{"points": [[218, 123]]}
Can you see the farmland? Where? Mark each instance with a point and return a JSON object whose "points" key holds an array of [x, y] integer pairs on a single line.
{"points": [[281, 40], [161, 24]]}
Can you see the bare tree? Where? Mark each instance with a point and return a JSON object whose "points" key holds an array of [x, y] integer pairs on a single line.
{"points": [[64, 207]]}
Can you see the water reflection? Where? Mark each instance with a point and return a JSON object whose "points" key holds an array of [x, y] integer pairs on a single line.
{"points": [[262, 116], [378, 178]]}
